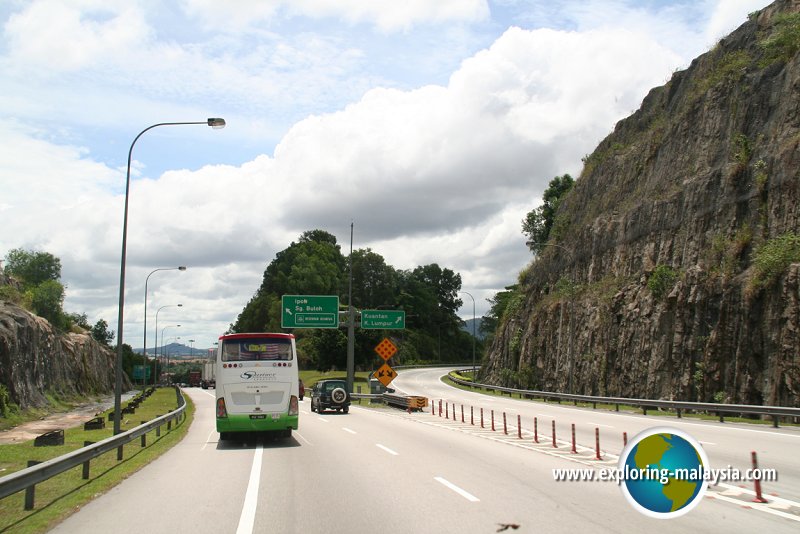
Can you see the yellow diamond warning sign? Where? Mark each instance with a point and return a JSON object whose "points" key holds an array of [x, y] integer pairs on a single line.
{"points": [[385, 374], [386, 349]]}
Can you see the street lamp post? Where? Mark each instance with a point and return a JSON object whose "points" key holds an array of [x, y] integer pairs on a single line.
{"points": [[156, 331], [169, 377], [474, 321], [571, 307], [215, 123], [165, 356], [144, 351]]}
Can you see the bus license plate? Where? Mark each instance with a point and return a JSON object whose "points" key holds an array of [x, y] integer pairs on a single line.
{"points": [[259, 416]]}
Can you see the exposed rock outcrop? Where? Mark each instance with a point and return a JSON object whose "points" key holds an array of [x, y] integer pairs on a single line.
{"points": [[651, 288], [37, 361]]}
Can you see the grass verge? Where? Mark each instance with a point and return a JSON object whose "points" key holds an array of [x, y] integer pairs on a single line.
{"points": [[310, 378], [64, 494]]}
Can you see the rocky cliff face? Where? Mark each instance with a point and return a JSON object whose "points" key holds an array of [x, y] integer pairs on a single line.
{"points": [[36, 361], [651, 286]]}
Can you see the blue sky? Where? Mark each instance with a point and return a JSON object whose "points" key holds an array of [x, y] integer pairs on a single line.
{"points": [[434, 126]]}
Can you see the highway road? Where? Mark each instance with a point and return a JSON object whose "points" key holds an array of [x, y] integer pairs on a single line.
{"points": [[384, 470]]}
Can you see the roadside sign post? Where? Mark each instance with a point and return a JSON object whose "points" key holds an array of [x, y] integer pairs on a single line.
{"points": [[385, 349], [383, 319], [385, 374], [309, 311]]}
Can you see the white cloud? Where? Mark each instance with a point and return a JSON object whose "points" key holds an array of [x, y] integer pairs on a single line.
{"points": [[439, 171], [436, 159], [729, 15], [386, 15], [66, 36]]}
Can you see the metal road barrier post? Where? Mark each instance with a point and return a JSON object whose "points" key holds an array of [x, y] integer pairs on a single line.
{"points": [[775, 412], [36, 472], [597, 443], [574, 450], [759, 497]]}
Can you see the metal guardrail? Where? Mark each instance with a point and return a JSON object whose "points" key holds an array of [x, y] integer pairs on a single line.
{"points": [[31, 476], [678, 406], [434, 365], [405, 402]]}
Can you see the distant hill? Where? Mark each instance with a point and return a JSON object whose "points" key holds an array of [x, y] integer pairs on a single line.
{"points": [[468, 327], [176, 350]]}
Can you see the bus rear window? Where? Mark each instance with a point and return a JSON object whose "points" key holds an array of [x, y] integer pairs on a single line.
{"points": [[256, 349]]}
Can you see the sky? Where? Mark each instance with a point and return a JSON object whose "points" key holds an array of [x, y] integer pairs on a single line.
{"points": [[432, 126]]}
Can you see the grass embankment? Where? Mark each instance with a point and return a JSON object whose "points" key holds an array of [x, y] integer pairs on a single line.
{"points": [[310, 378], [611, 407], [64, 494]]}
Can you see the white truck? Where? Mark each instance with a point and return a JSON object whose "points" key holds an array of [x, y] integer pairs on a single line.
{"points": [[207, 378]]}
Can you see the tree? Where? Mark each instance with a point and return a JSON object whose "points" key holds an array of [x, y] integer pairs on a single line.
{"points": [[47, 298], [374, 282], [129, 360], [499, 305], [313, 265], [539, 222], [32, 268], [101, 333], [79, 319]]}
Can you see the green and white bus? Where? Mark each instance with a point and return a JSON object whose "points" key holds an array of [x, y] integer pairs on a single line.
{"points": [[257, 384]]}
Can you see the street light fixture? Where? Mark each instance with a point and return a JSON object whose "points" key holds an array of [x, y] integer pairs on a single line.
{"points": [[165, 356], [215, 123], [473, 332], [571, 307], [144, 351], [156, 331], [169, 377]]}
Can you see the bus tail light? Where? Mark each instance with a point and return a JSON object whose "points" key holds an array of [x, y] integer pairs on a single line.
{"points": [[221, 411], [293, 408]]}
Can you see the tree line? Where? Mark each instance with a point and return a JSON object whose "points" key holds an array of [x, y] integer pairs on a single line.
{"points": [[39, 290], [315, 265]]}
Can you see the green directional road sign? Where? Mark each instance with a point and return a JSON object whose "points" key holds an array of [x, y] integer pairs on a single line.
{"points": [[383, 319], [309, 311]]}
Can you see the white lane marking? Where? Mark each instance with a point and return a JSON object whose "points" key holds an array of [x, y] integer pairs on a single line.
{"points": [[754, 506], [210, 394], [208, 440], [470, 497], [247, 519], [598, 424], [302, 437], [705, 442], [348, 430], [323, 419], [387, 449]]}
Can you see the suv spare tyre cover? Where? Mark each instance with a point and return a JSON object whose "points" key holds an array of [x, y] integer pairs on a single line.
{"points": [[338, 395]]}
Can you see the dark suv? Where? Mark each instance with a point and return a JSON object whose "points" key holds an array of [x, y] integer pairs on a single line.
{"points": [[330, 395]]}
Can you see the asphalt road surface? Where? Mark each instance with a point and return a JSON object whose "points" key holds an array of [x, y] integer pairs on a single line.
{"points": [[385, 470]]}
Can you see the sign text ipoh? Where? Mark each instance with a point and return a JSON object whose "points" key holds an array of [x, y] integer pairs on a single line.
{"points": [[309, 311], [383, 319]]}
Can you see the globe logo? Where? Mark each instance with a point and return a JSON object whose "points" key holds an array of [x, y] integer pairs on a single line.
{"points": [[662, 472]]}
